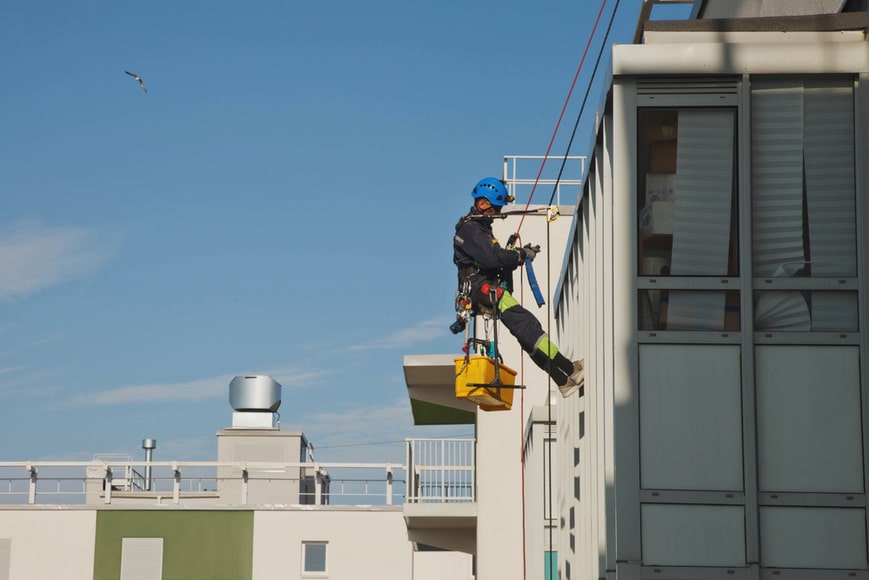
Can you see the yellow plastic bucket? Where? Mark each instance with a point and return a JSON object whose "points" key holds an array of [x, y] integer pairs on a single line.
{"points": [[480, 370]]}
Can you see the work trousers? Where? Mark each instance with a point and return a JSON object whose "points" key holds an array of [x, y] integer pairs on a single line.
{"points": [[521, 323], [526, 328]]}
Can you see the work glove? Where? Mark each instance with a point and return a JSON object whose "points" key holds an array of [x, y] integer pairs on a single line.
{"points": [[530, 251]]}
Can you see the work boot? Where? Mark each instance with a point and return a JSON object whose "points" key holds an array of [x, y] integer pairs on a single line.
{"points": [[575, 380]]}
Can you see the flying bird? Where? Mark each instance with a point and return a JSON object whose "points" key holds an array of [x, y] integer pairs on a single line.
{"points": [[138, 78]]}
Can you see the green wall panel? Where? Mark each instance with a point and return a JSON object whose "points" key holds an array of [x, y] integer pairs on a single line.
{"points": [[426, 413], [197, 545]]}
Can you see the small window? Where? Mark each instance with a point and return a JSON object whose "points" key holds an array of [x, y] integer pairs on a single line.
{"points": [[314, 558]]}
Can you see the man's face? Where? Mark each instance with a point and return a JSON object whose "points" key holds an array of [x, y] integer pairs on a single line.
{"points": [[486, 208]]}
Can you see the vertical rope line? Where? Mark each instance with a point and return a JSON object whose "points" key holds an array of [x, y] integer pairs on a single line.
{"points": [[522, 442], [549, 434], [564, 107], [582, 106]]}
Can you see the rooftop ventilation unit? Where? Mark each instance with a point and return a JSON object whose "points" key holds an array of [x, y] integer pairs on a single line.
{"points": [[255, 400]]}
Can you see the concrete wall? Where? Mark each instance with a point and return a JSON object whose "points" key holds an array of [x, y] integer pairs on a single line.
{"points": [[442, 565], [81, 543], [265, 486], [500, 433], [361, 543], [49, 543]]}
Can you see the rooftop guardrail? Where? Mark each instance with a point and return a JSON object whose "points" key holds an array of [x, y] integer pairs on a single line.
{"points": [[437, 470]]}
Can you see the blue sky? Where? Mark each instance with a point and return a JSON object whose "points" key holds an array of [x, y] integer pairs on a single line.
{"points": [[280, 202]]}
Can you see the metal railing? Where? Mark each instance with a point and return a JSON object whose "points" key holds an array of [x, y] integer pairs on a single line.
{"points": [[441, 470], [437, 470], [520, 171], [200, 482]]}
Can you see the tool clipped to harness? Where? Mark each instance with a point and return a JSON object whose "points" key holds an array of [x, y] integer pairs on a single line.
{"points": [[533, 283], [530, 271], [462, 303]]}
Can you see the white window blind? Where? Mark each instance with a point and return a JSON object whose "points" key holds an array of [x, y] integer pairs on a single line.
{"points": [[777, 177], [704, 185], [829, 159], [702, 213], [803, 157]]}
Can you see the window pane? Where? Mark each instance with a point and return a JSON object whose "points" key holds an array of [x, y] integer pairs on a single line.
{"points": [[688, 310], [693, 535], [777, 179], [315, 557], [803, 178], [809, 419], [551, 565], [829, 161], [794, 311], [796, 537], [690, 417], [686, 198]]}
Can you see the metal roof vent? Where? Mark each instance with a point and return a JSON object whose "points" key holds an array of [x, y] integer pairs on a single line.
{"points": [[255, 393]]}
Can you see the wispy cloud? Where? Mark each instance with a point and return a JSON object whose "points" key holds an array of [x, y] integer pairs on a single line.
{"points": [[358, 420], [195, 390], [403, 338], [370, 433], [33, 257], [339, 435], [44, 340]]}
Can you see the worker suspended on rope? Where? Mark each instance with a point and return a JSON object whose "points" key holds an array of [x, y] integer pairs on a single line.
{"points": [[483, 265]]}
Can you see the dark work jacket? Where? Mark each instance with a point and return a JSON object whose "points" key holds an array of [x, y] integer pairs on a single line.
{"points": [[475, 246]]}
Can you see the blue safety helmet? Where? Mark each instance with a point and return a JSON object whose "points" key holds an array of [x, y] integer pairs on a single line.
{"points": [[493, 190]]}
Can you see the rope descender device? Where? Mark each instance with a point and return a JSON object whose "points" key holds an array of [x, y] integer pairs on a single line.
{"points": [[552, 213]]}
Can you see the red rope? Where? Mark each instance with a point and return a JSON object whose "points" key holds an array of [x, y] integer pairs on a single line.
{"points": [[562, 114], [549, 503]]}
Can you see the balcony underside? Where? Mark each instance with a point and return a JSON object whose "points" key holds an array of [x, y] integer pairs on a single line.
{"points": [[449, 526], [431, 380]]}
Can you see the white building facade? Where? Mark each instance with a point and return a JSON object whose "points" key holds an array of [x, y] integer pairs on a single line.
{"points": [[716, 284]]}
